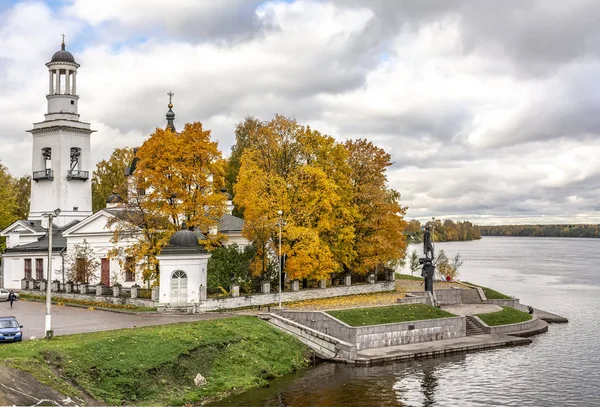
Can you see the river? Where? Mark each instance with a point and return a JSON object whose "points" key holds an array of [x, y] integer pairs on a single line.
{"points": [[559, 368]]}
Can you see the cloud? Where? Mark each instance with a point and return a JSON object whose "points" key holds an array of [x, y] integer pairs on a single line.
{"points": [[489, 110]]}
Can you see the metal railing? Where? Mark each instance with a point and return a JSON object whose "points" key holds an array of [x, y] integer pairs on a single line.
{"points": [[78, 174], [44, 174]]}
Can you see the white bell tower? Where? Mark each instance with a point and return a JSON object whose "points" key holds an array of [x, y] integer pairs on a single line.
{"points": [[61, 161]]}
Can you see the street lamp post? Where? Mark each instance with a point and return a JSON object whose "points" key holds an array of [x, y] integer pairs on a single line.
{"points": [[280, 223], [48, 325]]}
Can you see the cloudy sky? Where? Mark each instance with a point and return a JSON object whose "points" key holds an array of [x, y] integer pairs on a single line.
{"points": [[490, 109]]}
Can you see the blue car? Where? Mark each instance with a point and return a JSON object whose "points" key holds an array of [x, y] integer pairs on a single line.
{"points": [[10, 330]]}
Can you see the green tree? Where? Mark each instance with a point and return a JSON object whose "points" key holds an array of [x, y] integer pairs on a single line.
{"points": [[230, 265], [22, 187], [83, 264], [414, 264], [109, 176], [8, 202]]}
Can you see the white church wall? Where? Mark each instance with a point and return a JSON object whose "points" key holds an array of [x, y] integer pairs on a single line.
{"points": [[14, 268]]}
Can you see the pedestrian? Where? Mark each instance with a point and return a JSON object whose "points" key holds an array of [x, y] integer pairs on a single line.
{"points": [[11, 297]]}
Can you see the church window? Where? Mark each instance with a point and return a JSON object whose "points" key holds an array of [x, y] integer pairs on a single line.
{"points": [[47, 155], [75, 155], [130, 269], [39, 269], [27, 264]]}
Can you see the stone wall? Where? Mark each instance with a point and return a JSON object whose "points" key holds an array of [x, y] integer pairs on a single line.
{"points": [[212, 304], [138, 302], [377, 336], [514, 302], [450, 296], [324, 345]]}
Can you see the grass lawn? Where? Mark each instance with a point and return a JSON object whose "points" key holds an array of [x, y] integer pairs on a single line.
{"points": [[388, 315], [157, 365], [508, 315], [491, 294]]}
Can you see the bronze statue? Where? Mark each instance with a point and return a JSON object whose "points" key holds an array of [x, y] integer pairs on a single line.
{"points": [[427, 244]]}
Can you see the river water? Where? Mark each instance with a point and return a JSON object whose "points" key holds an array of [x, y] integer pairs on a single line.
{"points": [[560, 367]]}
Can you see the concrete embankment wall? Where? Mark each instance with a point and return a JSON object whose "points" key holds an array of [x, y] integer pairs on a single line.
{"points": [[212, 304], [56, 296], [377, 336], [508, 329], [325, 346]]}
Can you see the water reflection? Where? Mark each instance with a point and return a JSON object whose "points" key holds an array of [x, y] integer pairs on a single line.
{"points": [[557, 369]]}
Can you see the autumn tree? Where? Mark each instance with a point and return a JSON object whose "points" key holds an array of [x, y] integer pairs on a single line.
{"points": [[293, 168], [8, 202], [83, 264], [178, 179], [110, 176], [379, 221]]}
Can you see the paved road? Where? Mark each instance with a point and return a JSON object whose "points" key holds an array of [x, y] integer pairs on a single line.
{"points": [[70, 320]]}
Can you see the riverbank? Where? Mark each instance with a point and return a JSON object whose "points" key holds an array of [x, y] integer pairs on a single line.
{"points": [[159, 365]]}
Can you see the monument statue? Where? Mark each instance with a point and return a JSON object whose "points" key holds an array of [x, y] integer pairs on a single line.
{"points": [[428, 269], [427, 244]]}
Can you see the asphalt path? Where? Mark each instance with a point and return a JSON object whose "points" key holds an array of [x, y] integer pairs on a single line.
{"points": [[70, 320]]}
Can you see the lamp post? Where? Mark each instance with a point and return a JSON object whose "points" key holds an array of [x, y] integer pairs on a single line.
{"points": [[433, 236], [280, 223], [48, 325]]}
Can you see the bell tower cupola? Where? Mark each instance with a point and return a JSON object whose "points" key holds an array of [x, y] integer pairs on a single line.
{"points": [[61, 161]]}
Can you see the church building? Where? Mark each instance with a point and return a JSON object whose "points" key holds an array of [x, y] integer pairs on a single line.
{"points": [[61, 186]]}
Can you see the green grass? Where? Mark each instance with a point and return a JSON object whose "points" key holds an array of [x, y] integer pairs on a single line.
{"points": [[388, 315], [157, 365], [491, 294], [508, 315]]}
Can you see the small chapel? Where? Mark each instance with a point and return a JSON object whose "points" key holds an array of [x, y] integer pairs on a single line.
{"points": [[61, 192]]}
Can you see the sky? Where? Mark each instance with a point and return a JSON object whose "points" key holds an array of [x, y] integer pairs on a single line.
{"points": [[489, 109]]}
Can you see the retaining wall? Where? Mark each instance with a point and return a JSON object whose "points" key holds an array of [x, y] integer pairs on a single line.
{"points": [[212, 304], [508, 329], [513, 302], [450, 296], [377, 336], [138, 302]]}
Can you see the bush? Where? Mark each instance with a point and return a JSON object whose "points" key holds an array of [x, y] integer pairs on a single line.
{"points": [[230, 265]]}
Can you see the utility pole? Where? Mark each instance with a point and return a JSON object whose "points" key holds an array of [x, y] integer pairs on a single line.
{"points": [[48, 325], [280, 223]]}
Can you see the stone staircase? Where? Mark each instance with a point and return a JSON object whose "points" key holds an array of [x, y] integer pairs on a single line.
{"points": [[470, 296], [473, 327], [177, 310]]}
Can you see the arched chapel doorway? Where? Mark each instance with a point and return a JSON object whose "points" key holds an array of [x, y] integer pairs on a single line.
{"points": [[178, 288]]}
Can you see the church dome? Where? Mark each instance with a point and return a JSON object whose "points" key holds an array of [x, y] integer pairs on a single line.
{"points": [[184, 238], [63, 56]]}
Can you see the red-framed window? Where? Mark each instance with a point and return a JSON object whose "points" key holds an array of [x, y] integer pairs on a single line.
{"points": [[39, 269], [27, 268]]}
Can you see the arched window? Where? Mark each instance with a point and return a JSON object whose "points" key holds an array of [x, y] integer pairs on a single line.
{"points": [[178, 274]]}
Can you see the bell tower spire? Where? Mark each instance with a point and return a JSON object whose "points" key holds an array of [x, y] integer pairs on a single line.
{"points": [[170, 113], [61, 160]]}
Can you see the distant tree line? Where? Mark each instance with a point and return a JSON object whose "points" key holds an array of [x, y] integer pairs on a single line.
{"points": [[542, 230], [14, 199], [444, 231]]}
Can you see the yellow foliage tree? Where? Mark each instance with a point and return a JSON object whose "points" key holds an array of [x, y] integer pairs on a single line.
{"points": [[379, 218], [178, 178]]}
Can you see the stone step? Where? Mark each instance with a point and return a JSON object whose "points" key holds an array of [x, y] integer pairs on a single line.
{"points": [[470, 296], [176, 310], [473, 328]]}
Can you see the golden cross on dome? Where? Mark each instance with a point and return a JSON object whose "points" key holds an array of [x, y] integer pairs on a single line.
{"points": [[170, 96], [63, 37]]}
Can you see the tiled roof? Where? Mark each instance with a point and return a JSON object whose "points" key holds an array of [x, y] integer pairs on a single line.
{"points": [[59, 242], [230, 223]]}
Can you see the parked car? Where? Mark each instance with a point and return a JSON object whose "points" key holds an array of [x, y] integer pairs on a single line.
{"points": [[4, 294], [10, 330]]}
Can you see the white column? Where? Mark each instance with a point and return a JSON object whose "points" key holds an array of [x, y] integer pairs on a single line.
{"points": [[67, 82], [57, 82], [51, 72], [74, 82]]}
